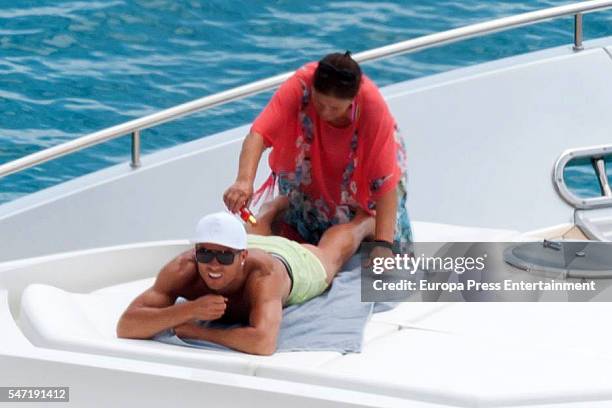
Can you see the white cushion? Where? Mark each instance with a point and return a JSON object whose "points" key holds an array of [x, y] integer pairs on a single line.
{"points": [[408, 314], [555, 325], [457, 353], [462, 370], [52, 317], [375, 329]]}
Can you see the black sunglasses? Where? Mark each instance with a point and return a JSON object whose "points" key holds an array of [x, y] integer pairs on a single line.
{"points": [[204, 255], [344, 76]]}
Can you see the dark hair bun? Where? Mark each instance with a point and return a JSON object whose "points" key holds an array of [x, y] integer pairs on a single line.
{"points": [[338, 75]]}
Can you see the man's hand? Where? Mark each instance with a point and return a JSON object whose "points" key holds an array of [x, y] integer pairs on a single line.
{"points": [[208, 307], [237, 195]]}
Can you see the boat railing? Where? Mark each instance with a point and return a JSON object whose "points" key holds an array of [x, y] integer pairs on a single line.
{"points": [[134, 127]]}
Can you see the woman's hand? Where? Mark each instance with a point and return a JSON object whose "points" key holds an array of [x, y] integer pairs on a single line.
{"points": [[237, 195], [240, 193]]}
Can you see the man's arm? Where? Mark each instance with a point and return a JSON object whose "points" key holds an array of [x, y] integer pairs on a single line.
{"points": [[265, 316], [154, 310]]}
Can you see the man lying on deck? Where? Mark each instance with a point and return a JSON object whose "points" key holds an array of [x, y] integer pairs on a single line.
{"points": [[233, 277]]}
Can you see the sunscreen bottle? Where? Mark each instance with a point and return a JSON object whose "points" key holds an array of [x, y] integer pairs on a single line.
{"points": [[247, 215]]}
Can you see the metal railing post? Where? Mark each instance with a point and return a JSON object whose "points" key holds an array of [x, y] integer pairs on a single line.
{"points": [[578, 32], [135, 149]]}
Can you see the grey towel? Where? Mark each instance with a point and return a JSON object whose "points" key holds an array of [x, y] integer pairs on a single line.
{"points": [[334, 321]]}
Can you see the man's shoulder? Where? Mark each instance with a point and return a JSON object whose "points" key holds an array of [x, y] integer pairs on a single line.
{"points": [[180, 271], [184, 263], [187, 258], [258, 258], [260, 265], [263, 277]]}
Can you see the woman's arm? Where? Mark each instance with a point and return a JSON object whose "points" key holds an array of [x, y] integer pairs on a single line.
{"points": [[386, 214], [239, 193]]}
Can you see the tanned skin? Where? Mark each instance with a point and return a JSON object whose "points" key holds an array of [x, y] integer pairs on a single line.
{"points": [[252, 290]]}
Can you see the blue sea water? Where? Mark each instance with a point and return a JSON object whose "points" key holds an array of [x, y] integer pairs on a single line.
{"points": [[73, 67]]}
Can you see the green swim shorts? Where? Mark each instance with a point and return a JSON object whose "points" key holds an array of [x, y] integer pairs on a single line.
{"points": [[307, 271]]}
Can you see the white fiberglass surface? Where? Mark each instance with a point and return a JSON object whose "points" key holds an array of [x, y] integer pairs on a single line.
{"points": [[488, 353]]}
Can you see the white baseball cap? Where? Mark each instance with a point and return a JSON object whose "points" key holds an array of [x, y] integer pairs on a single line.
{"points": [[221, 228]]}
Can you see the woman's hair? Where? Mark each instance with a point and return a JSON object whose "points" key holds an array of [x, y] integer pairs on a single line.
{"points": [[338, 75]]}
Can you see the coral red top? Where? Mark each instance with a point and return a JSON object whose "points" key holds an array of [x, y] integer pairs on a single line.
{"points": [[327, 171]]}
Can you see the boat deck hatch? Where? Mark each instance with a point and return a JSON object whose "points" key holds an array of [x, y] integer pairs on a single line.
{"points": [[570, 259], [579, 194], [593, 212]]}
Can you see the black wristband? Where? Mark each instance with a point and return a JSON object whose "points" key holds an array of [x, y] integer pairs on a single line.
{"points": [[383, 243]]}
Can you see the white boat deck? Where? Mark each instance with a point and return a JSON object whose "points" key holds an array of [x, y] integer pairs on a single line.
{"points": [[466, 354], [481, 145], [449, 354]]}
